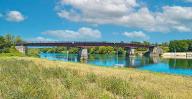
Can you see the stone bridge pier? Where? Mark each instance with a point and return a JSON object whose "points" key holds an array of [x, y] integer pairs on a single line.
{"points": [[83, 54], [22, 49], [154, 51], [130, 51]]}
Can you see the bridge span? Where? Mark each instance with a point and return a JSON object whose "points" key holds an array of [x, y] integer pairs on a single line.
{"points": [[130, 47], [83, 44]]}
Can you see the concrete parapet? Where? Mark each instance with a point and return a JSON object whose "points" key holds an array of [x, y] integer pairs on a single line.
{"points": [[183, 55]]}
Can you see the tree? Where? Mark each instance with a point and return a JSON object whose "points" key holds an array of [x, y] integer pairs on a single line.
{"points": [[179, 45], [9, 40], [101, 50], [146, 43], [7, 43], [74, 50], [190, 46], [166, 44], [92, 50], [2, 43], [120, 51], [18, 39]]}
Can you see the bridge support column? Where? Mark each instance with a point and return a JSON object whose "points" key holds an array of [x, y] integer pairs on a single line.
{"points": [[154, 51], [130, 51], [22, 49], [83, 54]]}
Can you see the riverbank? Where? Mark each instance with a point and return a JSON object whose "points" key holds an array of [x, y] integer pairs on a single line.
{"points": [[179, 55], [24, 77]]}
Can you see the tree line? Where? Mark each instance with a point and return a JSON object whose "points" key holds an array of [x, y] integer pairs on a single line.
{"points": [[180, 46], [75, 50], [7, 43]]}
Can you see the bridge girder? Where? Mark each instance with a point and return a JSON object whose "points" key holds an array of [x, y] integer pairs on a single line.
{"points": [[84, 44]]}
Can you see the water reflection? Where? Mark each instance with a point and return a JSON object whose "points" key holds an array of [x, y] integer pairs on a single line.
{"points": [[157, 64], [141, 61], [180, 63]]}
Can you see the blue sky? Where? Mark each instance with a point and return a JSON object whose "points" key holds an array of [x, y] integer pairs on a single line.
{"points": [[97, 20]]}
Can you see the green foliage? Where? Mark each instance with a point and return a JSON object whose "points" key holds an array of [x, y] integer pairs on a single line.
{"points": [[12, 52], [165, 44], [12, 40], [165, 48], [33, 52], [18, 39], [180, 45], [121, 51], [92, 50], [7, 43], [2, 44], [190, 47], [180, 64], [73, 50], [106, 50], [146, 43]]}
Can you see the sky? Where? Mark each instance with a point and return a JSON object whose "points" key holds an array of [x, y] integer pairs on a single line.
{"points": [[97, 20]]}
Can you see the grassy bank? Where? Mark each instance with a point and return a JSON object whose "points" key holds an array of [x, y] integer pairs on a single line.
{"points": [[42, 79]]}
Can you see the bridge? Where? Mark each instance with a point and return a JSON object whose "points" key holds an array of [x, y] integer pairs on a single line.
{"points": [[130, 47]]}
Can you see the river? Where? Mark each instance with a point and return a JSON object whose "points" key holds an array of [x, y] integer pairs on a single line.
{"points": [[155, 64]]}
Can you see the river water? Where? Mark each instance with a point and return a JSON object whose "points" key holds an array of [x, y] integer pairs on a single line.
{"points": [[155, 64]]}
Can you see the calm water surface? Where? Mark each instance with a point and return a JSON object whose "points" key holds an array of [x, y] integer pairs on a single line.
{"points": [[155, 64]]}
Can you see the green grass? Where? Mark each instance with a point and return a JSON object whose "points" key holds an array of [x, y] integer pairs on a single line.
{"points": [[11, 54], [33, 78]]}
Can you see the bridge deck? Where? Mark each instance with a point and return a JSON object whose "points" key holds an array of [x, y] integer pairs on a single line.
{"points": [[82, 44]]}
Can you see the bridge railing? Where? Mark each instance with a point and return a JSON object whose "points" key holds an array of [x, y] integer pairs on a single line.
{"points": [[70, 42], [80, 43]]}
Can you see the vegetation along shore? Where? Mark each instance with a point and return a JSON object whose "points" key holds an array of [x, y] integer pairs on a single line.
{"points": [[23, 77]]}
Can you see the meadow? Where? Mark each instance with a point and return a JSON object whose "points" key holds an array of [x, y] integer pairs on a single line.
{"points": [[34, 78]]}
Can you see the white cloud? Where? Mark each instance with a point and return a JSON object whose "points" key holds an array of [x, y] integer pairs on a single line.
{"points": [[175, 18], [127, 13], [136, 35], [93, 10], [82, 34], [14, 16], [188, 0]]}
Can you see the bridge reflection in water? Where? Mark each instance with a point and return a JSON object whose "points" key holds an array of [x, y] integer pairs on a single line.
{"points": [[123, 61]]}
